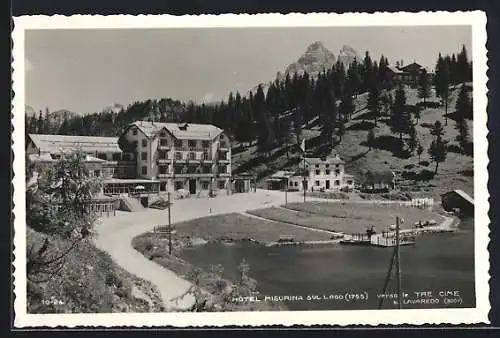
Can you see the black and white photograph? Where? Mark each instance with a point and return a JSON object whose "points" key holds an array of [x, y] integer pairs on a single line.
{"points": [[258, 172]]}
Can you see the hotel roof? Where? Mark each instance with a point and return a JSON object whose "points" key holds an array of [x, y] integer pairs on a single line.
{"points": [[61, 143], [181, 131], [328, 160]]}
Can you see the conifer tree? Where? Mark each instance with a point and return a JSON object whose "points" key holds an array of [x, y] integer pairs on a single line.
{"points": [[437, 150], [40, 127], [370, 139], [374, 104], [420, 150], [463, 66], [400, 120], [413, 140], [346, 107], [463, 107], [442, 83], [424, 89]]}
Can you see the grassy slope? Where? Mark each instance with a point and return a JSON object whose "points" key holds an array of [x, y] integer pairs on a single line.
{"points": [[90, 282], [359, 159]]}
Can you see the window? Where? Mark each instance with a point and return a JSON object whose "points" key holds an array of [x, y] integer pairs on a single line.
{"points": [[317, 183], [163, 142], [296, 184], [163, 134], [178, 169], [291, 184], [337, 182], [163, 186], [134, 131], [126, 157], [336, 166], [222, 184], [144, 143], [327, 165], [144, 170], [327, 172], [97, 173], [144, 156], [192, 156], [317, 165], [178, 143], [191, 169], [317, 172], [206, 169], [116, 156], [102, 156], [162, 155], [205, 185], [204, 144], [192, 143], [135, 143], [222, 169], [163, 169], [349, 182], [178, 185], [178, 155], [205, 156], [337, 172], [223, 144], [221, 137]]}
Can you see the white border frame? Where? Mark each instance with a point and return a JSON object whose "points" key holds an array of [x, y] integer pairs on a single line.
{"points": [[476, 19]]}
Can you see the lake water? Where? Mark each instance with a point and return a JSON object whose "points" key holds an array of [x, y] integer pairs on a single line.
{"points": [[330, 273]]}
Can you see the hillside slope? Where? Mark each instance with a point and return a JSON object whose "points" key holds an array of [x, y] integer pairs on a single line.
{"points": [[455, 173]]}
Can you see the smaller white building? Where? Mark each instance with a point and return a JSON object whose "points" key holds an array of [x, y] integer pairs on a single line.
{"points": [[321, 174]]}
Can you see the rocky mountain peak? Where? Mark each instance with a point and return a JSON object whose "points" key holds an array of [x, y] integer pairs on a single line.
{"points": [[347, 55], [315, 59]]}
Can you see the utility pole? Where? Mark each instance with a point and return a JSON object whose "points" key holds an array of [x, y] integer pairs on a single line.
{"points": [[169, 226], [304, 182], [398, 267], [286, 191]]}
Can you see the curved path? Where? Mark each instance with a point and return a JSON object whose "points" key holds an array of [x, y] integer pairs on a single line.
{"points": [[114, 235]]}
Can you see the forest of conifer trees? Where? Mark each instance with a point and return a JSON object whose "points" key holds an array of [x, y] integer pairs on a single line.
{"points": [[271, 118]]}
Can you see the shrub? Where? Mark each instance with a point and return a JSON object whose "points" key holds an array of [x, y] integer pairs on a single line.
{"points": [[427, 125], [424, 163], [426, 175]]}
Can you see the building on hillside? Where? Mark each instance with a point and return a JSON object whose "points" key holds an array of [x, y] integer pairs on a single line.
{"points": [[378, 181], [321, 174], [406, 75], [187, 156], [458, 199]]}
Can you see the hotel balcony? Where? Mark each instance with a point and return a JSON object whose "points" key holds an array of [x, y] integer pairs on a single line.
{"points": [[163, 147], [164, 160], [224, 175], [223, 161], [164, 175], [193, 175]]}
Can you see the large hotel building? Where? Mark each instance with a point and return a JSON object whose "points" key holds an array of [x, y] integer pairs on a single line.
{"points": [[152, 156]]}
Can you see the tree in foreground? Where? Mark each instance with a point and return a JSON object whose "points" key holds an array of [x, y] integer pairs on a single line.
{"points": [[58, 207], [341, 127], [437, 150]]}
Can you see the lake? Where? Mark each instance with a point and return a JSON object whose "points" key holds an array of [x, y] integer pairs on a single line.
{"points": [[323, 277]]}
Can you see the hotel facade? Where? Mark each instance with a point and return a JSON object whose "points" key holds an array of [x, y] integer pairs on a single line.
{"points": [[157, 157]]}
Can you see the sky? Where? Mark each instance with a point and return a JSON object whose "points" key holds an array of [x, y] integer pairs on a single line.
{"points": [[87, 70]]}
